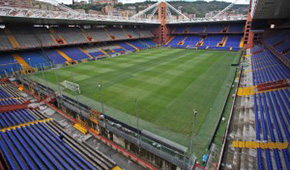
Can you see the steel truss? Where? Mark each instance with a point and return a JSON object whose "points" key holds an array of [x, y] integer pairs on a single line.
{"points": [[142, 14], [66, 13]]}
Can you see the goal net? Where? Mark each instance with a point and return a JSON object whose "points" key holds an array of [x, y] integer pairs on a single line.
{"points": [[71, 86]]}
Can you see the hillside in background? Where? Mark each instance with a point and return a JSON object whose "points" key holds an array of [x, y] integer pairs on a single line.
{"points": [[199, 8]]}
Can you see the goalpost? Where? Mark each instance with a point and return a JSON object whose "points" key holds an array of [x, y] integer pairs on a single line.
{"points": [[72, 86], [195, 48]]}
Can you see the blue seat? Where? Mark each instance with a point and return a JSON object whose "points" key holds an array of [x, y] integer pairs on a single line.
{"points": [[285, 110], [75, 53], [71, 154], [59, 155], [21, 150], [274, 117], [12, 162], [35, 141], [21, 136], [286, 158], [284, 126], [259, 159], [55, 56], [14, 152], [269, 123], [268, 68]]}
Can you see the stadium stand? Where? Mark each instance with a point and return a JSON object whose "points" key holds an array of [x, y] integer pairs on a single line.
{"points": [[36, 146], [139, 44], [211, 28], [117, 33], [97, 54], [131, 33], [191, 41], [30, 140], [45, 37], [263, 117], [11, 39], [149, 43], [214, 28], [236, 28], [127, 47], [4, 41], [211, 41], [196, 29], [16, 117], [75, 53], [55, 56], [46, 57], [268, 68], [145, 33], [234, 41], [279, 40], [180, 29], [35, 59], [36, 37], [174, 42], [71, 35], [98, 34], [208, 36], [119, 50], [24, 37], [269, 120], [8, 63]]}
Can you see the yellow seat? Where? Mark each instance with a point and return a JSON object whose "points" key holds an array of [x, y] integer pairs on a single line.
{"points": [[81, 128], [262, 145], [116, 168]]}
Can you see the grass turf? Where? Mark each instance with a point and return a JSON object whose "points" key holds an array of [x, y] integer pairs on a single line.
{"points": [[169, 84]]}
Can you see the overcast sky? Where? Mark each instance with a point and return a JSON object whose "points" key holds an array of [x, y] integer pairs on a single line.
{"points": [[131, 1]]}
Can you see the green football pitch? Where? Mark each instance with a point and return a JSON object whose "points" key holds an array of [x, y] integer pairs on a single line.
{"points": [[167, 83]]}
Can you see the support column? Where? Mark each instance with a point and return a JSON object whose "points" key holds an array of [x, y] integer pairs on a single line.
{"points": [[248, 34], [163, 31]]}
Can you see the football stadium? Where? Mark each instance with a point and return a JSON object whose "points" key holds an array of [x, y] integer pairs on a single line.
{"points": [[157, 88]]}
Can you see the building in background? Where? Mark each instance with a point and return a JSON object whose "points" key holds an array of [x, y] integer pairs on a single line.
{"points": [[16, 3], [112, 2]]}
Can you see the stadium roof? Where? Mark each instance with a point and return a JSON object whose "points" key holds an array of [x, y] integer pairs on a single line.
{"points": [[270, 9], [61, 21], [67, 15]]}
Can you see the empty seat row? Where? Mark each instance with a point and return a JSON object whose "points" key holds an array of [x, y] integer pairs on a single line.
{"points": [[279, 41], [47, 57], [9, 89], [117, 33], [234, 41], [127, 47], [95, 51], [268, 68], [271, 123], [139, 44], [75, 53], [212, 40], [28, 143], [210, 28], [32, 37], [8, 101], [149, 42], [4, 94], [182, 41], [13, 118], [36, 147]]}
